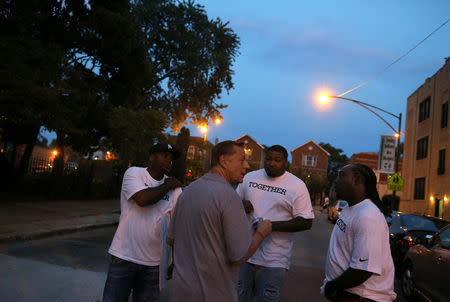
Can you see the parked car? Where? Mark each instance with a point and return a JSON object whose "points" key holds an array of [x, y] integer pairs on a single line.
{"points": [[406, 230], [335, 210], [426, 268]]}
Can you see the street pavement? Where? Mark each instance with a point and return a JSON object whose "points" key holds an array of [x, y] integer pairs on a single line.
{"points": [[27, 220], [73, 267]]}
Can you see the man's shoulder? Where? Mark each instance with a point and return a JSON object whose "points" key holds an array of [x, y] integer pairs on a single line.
{"points": [[294, 181], [254, 174], [134, 170], [369, 212]]}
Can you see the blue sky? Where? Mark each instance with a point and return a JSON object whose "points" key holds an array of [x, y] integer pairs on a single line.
{"points": [[291, 49]]}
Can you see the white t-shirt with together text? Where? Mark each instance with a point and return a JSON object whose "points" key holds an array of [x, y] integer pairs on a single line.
{"points": [[138, 236], [277, 199]]}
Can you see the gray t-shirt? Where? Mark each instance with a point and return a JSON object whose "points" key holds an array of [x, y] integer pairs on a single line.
{"points": [[210, 232]]}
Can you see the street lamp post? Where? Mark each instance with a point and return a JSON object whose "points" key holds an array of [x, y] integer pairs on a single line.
{"points": [[371, 108], [204, 127]]}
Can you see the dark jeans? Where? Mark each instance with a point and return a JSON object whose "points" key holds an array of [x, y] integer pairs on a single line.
{"points": [[124, 276], [262, 282]]}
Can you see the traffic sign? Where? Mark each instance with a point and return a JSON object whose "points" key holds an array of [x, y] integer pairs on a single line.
{"points": [[395, 182]]}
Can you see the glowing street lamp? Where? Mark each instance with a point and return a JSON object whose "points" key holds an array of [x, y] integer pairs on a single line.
{"points": [[204, 130], [204, 127], [324, 98], [218, 121]]}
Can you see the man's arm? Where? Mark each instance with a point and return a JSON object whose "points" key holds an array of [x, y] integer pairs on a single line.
{"points": [[350, 278], [263, 230], [169, 242], [294, 225], [153, 195]]}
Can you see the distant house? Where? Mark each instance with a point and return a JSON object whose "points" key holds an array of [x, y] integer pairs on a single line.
{"points": [[254, 152], [370, 159], [310, 159]]}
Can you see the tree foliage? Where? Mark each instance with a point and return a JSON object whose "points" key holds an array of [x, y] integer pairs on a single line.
{"points": [[190, 58], [88, 70], [133, 132], [336, 161]]}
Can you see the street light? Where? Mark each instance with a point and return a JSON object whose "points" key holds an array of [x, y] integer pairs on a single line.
{"points": [[204, 130], [324, 98], [204, 127]]}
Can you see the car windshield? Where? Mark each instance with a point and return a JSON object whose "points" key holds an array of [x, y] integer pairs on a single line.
{"points": [[412, 222]]}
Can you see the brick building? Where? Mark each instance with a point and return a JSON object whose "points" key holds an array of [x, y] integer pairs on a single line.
{"points": [[427, 139], [310, 158], [254, 152]]}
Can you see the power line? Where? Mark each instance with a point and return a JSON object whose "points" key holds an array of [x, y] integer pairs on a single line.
{"points": [[379, 73]]}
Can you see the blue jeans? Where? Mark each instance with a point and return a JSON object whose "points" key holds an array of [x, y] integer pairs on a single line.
{"points": [[262, 282], [124, 276]]}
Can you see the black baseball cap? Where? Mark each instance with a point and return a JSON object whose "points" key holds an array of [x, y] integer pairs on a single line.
{"points": [[163, 147]]}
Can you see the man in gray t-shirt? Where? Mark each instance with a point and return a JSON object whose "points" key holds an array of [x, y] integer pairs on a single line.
{"points": [[210, 232]]}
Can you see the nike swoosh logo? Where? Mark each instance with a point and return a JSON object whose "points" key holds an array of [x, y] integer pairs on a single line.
{"points": [[363, 260]]}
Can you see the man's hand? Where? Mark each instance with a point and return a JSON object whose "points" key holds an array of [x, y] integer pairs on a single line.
{"points": [[171, 183], [264, 227], [248, 207], [169, 272]]}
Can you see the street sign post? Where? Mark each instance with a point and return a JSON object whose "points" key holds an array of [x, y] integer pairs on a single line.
{"points": [[395, 183], [386, 159]]}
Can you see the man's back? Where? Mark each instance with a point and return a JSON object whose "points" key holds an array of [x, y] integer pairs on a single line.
{"points": [[210, 231]]}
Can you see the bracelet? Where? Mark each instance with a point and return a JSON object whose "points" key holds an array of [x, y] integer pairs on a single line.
{"points": [[260, 234]]}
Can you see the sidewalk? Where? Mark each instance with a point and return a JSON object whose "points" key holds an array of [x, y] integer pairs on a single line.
{"points": [[29, 220]]}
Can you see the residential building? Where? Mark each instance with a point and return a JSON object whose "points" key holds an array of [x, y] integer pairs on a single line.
{"points": [[310, 163], [370, 159], [254, 152], [310, 159], [427, 144]]}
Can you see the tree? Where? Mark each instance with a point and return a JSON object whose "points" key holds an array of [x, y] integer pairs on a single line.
{"points": [[190, 58], [72, 66], [182, 145], [133, 132], [336, 161]]}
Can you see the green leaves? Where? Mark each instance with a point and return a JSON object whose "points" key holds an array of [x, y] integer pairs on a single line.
{"points": [[133, 132]]}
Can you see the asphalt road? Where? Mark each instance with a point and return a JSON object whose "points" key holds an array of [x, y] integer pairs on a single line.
{"points": [[73, 267]]}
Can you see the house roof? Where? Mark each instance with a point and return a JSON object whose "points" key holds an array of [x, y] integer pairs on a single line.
{"points": [[251, 139], [320, 148]]}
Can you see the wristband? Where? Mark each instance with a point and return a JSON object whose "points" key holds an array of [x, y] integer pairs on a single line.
{"points": [[260, 234]]}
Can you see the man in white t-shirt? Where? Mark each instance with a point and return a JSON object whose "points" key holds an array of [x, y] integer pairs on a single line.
{"points": [[282, 198], [359, 264], [147, 194]]}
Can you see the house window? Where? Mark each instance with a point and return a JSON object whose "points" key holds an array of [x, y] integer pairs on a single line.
{"points": [[424, 109], [441, 166], [309, 160], [190, 152], [422, 148], [444, 115], [419, 188], [248, 153]]}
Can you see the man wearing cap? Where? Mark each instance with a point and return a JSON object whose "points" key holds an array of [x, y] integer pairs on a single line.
{"points": [[146, 195]]}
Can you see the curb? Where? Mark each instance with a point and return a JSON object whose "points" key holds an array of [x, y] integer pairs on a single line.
{"points": [[50, 233]]}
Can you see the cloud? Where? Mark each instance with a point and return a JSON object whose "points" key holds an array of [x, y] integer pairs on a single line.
{"points": [[320, 47]]}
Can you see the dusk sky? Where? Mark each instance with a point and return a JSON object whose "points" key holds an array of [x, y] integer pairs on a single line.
{"points": [[290, 50]]}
